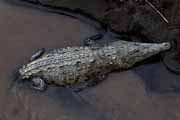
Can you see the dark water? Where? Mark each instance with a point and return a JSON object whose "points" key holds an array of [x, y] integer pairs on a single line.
{"points": [[123, 96]]}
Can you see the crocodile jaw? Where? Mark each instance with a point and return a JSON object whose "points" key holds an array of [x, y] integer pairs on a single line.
{"points": [[145, 50]]}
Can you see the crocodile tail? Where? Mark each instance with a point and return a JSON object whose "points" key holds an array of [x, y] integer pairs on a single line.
{"points": [[14, 77]]}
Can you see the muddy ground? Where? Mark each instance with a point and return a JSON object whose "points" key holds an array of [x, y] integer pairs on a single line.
{"points": [[148, 91]]}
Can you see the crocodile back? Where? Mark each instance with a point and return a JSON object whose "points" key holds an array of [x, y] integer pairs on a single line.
{"points": [[64, 66]]}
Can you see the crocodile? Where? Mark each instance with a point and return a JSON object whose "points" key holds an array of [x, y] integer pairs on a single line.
{"points": [[79, 67]]}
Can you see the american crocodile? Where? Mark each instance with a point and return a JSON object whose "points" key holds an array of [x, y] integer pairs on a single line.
{"points": [[82, 66]]}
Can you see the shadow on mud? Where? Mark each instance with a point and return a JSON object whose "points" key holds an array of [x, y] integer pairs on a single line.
{"points": [[157, 78], [54, 103]]}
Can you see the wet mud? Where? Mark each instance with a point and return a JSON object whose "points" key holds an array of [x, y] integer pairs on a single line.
{"points": [[148, 91]]}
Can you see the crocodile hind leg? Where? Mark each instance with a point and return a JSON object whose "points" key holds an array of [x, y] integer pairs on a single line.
{"points": [[37, 54], [38, 84], [83, 85], [89, 83]]}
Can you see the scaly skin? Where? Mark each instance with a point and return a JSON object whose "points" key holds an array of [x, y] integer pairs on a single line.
{"points": [[72, 66]]}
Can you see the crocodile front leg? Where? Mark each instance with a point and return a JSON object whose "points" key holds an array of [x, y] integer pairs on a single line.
{"points": [[101, 38], [37, 54], [92, 41], [38, 84]]}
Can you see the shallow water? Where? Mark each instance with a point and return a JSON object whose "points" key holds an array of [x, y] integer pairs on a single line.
{"points": [[147, 92]]}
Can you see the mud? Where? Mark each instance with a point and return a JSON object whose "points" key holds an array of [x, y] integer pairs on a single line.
{"points": [[149, 91]]}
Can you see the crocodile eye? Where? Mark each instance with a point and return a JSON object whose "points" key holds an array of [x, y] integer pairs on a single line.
{"points": [[92, 60], [78, 63]]}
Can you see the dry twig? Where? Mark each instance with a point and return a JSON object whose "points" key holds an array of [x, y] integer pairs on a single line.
{"points": [[150, 4]]}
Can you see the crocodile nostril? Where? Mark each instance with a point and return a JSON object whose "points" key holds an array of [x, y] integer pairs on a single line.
{"points": [[167, 45]]}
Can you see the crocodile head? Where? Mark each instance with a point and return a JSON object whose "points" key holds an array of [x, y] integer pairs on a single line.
{"points": [[142, 51], [129, 53]]}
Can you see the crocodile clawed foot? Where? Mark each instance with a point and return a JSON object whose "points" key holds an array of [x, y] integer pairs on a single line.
{"points": [[78, 87], [38, 84], [81, 86]]}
